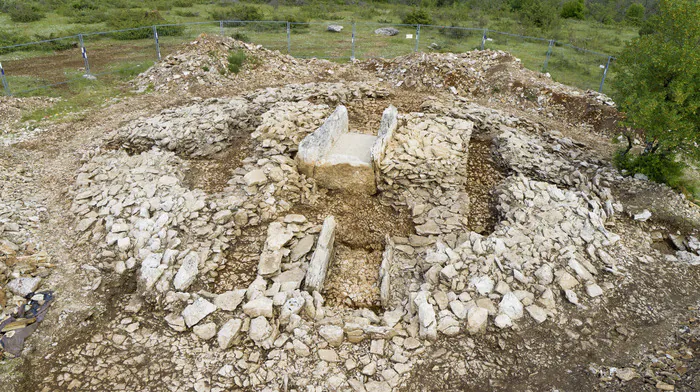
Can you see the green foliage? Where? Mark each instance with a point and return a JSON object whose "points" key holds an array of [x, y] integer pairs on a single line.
{"points": [[121, 19], [454, 32], [418, 16], [664, 168], [7, 39], [238, 12], [602, 12], [657, 83], [649, 26], [574, 9], [62, 44], [635, 14], [186, 13], [240, 36], [183, 3], [89, 17], [236, 59], [24, 13], [541, 14]]}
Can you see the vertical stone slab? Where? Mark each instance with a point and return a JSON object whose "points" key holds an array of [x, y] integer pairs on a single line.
{"points": [[386, 133], [321, 258], [317, 144], [385, 273]]}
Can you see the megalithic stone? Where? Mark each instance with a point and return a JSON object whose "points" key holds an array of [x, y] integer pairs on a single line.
{"points": [[322, 257], [316, 145], [384, 136]]}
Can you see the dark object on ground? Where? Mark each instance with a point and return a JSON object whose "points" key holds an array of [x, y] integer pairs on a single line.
{"points": [[18, 326]]}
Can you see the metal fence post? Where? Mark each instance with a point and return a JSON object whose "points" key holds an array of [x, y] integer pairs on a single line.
{"points": [[289, 38], [417, 38], [84, 53], [155, 38], [483, 39], [5, 86], [221, 27], [605, 73], [352, 57], [549, 53]]}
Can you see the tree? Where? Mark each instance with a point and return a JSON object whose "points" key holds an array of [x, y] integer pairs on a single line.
{"points": [[574, 9], [635, 14], [417, 16], [657, 87], [538, 13]]}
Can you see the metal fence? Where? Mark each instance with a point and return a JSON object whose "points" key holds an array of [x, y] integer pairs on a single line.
{"points": [[25, 68]]}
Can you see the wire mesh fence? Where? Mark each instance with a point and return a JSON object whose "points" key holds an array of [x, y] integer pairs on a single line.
{"points": [[26, 68]]}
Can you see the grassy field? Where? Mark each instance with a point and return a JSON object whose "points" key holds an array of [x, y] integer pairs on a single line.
{"points": [[61, 61]]}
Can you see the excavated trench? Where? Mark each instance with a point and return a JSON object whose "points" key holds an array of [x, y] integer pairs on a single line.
{"points": [[484, 174], [363, 223]]}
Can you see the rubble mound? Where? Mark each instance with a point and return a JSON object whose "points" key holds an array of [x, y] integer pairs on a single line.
{"points": [[255, 264], [11, 110], [203, 64], [497, 76], [484, 232]]}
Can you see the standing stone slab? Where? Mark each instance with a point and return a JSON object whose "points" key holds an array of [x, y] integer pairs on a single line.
{"points": [[385, 273], [321, 258], [384, 136], [317, 144]]}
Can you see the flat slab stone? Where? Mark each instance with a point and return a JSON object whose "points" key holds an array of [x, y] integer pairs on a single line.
{"points": [[353, 149], [321, 259], [348, 165]]}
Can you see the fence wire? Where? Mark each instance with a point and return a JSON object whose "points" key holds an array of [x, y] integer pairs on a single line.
{"points": [[87, 56]]}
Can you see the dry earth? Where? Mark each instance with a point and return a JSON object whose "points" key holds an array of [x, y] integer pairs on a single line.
{"points": [[513, 257]]}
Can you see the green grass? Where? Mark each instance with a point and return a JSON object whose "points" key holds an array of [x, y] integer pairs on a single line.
{"points": [[81, 94], [566, 64]]}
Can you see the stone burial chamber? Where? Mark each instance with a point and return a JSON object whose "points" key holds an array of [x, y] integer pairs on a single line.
{"points": [[338, 159]]}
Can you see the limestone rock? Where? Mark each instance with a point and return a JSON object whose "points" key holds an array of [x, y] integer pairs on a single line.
{"points": [[476, 320], [205, 331], [228, 333], [23, 286], [332, 334], [261, 306], [322, 257], [229, 300], [187, 273], [197, 311]]}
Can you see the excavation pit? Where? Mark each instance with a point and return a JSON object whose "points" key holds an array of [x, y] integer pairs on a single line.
{"points": [[363, 223]]}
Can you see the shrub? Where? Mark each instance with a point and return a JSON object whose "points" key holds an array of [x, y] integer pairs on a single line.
{"points": [[240, 36], [89, 17], [235, 61], [539, 14], [418, 16], [7, 39], [455, 32], [186, 14], [238, 12], [635, 14], [131, 19], [573, 9], [183, 3], [662, 167], [24, 13]]}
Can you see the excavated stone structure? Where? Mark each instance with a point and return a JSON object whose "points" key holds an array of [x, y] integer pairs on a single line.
{"points": [[338, 159]]}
